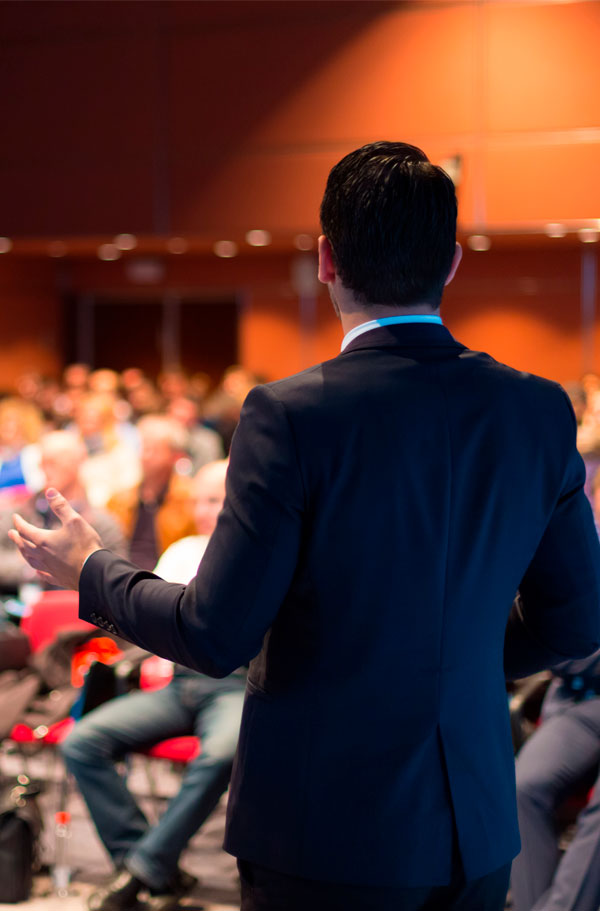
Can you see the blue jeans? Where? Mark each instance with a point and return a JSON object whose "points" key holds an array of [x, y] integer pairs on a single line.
{"points": [[188, 705]]}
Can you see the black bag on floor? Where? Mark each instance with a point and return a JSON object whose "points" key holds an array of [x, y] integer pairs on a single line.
{"points": [[17, 691], [14, 646], [20, 828]]}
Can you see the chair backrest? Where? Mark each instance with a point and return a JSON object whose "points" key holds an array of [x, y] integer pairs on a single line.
{"points": [[155, 673], [176, 749], [53, 611]]}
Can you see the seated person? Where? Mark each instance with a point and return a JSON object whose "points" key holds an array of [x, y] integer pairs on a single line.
{"points": [[147, 857], [159, 510], [61, 456], [555, 762], [202, 444], [21, 426], [112, 464]]}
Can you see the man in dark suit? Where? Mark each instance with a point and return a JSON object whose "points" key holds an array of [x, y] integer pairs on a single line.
{"points": [[382, 510]]}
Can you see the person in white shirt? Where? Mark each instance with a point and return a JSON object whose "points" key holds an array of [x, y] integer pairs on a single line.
{"points": [[180, 561]]}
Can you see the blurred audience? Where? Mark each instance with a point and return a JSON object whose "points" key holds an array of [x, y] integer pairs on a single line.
{"points": [[21, 425], [119, 438], [144, 398], [104, 381], [157, 511], [200, 384], [104, 408], [112, 464], [202, 444], [172, 384], [76, 376], [123, 448], [221, 410], [590, 383], [61, 456]]}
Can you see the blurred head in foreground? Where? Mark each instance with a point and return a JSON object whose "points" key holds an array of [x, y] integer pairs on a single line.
{"points": [[209, 495]]}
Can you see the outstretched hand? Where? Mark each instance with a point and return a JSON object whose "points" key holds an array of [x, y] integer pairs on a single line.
{"points": [[58, 555]]}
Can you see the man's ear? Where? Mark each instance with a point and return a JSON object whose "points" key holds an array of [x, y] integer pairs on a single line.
{"points": [[326, 266], [455, 263]]}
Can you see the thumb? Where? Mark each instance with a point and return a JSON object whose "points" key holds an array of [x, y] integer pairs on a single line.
{"points": [[61, 508]]}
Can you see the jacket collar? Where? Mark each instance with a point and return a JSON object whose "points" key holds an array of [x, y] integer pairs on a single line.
{"points": [[404, 335]]}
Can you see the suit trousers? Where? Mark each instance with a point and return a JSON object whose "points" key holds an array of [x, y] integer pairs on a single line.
{"points": [[557, 760], [268, 890]]}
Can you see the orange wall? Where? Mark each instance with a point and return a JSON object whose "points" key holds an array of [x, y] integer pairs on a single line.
{"points": [[209, 118], [522, 306], [30, 321], [219, 117]]}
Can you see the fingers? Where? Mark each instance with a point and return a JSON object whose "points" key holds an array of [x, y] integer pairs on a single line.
{"points": [[27, 531], [15, 537], [46, 577], [61, 508], [28, 550]]}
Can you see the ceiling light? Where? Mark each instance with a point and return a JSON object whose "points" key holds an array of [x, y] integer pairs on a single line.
{"points": [[226, 249], [588, 235], [5, 244], [479, 242], [177, 245], [555, 229], [125, 241], [304, 242], [258, 238], [108, 252]]}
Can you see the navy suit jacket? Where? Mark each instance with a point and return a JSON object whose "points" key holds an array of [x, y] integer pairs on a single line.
{"points": [[383, 508]]}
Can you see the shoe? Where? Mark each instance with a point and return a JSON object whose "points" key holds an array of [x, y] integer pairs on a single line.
{"points": [[121, 894], [168, 897]]}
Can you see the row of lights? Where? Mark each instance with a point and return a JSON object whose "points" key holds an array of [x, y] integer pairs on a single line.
{"points": [[226, 249], [481, 242]]}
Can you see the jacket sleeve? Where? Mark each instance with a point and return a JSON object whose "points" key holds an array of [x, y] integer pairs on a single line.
{"points": [[217, 623], [557, 614]]}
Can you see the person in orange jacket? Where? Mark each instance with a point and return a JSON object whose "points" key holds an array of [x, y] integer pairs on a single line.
{"points": [[160, 509]]}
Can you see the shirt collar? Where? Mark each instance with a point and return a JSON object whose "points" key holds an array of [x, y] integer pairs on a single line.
{"points": [[389, 321]]}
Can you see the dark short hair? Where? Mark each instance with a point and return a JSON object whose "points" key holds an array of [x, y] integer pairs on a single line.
{"points": [[390, 218]]}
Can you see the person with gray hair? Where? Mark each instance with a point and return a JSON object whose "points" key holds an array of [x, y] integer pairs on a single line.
{"points": [[61, 456]]}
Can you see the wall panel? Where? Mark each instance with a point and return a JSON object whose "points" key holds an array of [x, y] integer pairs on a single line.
{"points": [[543, 66]]}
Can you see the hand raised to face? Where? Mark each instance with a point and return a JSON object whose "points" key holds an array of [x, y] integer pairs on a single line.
{"points": [[57, 555]]}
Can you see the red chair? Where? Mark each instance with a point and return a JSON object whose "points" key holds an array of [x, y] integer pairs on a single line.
{"points": [[176, 749], [155, 673], [53, 611]]}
